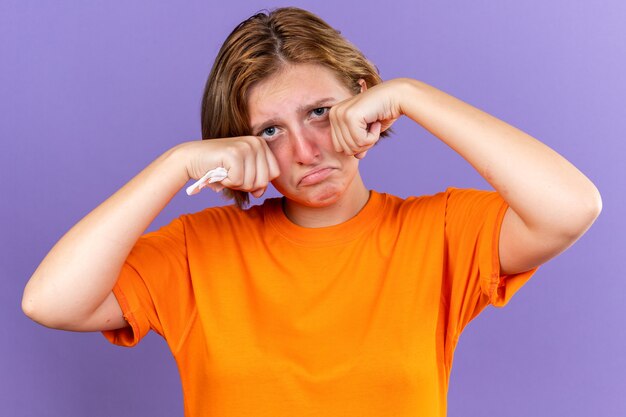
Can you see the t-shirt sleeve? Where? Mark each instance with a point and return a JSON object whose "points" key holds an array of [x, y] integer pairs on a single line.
{"points": [[472, 231], [153, 288]]}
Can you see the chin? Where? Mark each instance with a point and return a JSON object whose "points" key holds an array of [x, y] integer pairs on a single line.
{"points": [[324, 199], [320, 197]]}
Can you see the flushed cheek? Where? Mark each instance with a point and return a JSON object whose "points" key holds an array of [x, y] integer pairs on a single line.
{"points": [[281, 155], [285, 184], [286, 178], [324, 138]]}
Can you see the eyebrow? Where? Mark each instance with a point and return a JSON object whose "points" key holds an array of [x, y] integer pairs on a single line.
{"points": [[301, 109]]}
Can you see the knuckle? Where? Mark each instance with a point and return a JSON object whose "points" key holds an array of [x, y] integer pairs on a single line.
{"points": [[233, 151], [252, 184], [363, 142], [246, 146], [257, 140], [247, 142], [236, 179], [350, 112]]}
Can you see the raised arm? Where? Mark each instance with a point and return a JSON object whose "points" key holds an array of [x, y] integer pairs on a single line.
{"points": [[71, 288], [551, 202]]}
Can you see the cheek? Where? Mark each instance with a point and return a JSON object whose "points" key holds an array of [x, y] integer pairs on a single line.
{"points": [[281, 153], [323, 136], [352, 167]]}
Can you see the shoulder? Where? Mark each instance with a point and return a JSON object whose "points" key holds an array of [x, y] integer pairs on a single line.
{"points": [[416, 212], [413, 203], [469, 194], [451, 202], [466, 202]]}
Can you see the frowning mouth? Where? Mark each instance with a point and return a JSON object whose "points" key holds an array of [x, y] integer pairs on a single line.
{"points": [[315, 176]]}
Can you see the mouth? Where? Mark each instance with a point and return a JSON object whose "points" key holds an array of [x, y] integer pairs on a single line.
{"points": [[315, 176]]}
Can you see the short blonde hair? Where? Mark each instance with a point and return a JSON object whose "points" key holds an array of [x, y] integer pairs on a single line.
{"points": [[260, 46]]}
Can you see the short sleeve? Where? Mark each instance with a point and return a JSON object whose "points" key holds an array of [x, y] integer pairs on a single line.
{"points": [[472, 231], [153, 288]]}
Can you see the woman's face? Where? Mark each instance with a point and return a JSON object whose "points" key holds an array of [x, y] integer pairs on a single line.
{"points": [[290, 110]]}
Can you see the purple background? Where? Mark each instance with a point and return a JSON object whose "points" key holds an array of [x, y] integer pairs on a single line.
{"points": [[91, 92]]}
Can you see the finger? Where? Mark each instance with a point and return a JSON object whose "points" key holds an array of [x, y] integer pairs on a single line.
{"points": [[235, 167], [373, 133], [272, 164], [359, 133], [339, 134], [250, 168], [346, 124], [333, 137], [262, 170], [335, 132], [347, 133], [386, 124], [259, 192], [216, 186]]}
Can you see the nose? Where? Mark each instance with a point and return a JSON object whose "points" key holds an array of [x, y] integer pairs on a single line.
{"points": [[305, 148]]}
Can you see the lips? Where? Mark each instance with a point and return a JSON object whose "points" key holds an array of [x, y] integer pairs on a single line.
{"points": [[315, 176]]}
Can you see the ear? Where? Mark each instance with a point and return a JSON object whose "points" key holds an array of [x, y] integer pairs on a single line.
{"points": [[362, 84]]}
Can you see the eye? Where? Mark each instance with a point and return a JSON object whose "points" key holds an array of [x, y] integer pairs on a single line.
{"points": [[268, 132], [320, 111]]}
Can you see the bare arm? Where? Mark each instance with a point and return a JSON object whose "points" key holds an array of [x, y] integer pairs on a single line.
{"points": [[551, 202], [71, 288]]}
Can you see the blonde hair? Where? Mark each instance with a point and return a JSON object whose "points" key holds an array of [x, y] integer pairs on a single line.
{"points": [[260, 46]]}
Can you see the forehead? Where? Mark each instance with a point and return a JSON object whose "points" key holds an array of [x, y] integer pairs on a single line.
{"points": [[294, 86]]}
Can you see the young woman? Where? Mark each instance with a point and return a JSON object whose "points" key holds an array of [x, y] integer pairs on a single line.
{"points": [[334, 299]]}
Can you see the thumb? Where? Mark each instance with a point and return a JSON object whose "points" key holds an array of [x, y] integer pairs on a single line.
{"points": [[373, 132]]}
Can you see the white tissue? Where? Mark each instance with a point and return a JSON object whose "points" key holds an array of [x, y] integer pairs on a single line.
{"points": [[214, 175]]}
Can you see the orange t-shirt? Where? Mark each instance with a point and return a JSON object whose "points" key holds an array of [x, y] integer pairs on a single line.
{"points": [[269, 319]]}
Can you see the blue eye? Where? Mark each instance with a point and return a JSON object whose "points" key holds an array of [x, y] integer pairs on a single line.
{"points": [[268, 131], [320, 111]]}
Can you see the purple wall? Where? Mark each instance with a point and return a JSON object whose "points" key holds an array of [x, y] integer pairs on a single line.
{"points": [[90, 92]]}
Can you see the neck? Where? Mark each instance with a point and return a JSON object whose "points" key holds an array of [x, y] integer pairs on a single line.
{"points": [[348, 206]]}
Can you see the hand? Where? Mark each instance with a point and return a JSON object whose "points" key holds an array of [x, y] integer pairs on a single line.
{"points": [[249, 162], [356, 123]]}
